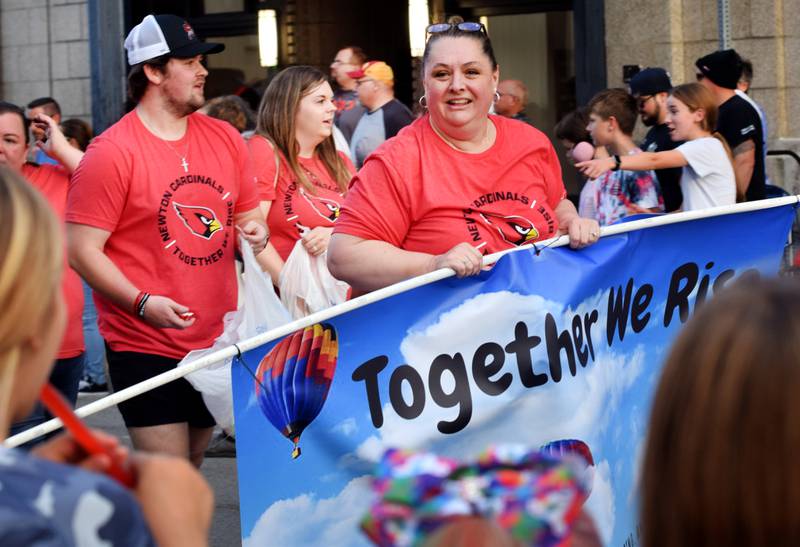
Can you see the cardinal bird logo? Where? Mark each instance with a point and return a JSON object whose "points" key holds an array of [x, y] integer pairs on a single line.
{"points": [[187, 28], [512, 228], [326, 208], [201, 221]]}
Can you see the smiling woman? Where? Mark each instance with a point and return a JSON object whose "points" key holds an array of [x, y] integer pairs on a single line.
{"points": [[457, 183], [297, 165]]}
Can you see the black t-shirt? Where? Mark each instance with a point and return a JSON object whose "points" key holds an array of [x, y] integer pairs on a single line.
{"points": [[658, 140], [739, 122]]}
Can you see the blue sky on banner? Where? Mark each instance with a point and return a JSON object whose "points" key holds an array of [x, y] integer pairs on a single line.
{"points": [[319, 498]]}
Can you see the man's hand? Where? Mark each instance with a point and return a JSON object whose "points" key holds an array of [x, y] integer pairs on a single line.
{"points": [[255, 234], [165, 313]]}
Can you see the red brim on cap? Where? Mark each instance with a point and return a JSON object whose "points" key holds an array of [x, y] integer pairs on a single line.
{"points": [[356, 74]]}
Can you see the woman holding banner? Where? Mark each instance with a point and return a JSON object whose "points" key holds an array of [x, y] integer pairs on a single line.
{"points": [[720, 464], [55, 494], [457, 183]]}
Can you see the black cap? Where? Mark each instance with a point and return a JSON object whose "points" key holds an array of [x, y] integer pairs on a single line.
{"points": [[181, 38], [724, 67], [165, 34], [650, 81]]}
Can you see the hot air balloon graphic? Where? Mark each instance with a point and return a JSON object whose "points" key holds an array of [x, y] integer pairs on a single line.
{"points": [[293, 379], [574, 448]]}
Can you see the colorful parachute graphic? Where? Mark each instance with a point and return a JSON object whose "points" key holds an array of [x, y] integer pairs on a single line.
{"points": [[578, 450], [293, 379]]}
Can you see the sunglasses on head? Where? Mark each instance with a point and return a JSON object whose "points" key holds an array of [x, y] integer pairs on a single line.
{"points": [[438, 28]]}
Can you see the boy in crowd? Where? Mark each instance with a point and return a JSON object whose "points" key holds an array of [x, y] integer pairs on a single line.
{"points": [[618, 193]]}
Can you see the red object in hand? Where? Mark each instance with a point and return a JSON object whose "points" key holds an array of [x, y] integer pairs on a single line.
{"points": [[55, 403]]}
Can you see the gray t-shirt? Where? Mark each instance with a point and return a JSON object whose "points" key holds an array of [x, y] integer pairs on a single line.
{"points": [[376, 127]]}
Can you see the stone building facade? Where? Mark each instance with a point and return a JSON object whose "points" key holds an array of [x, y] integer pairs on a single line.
{"points": [[44, 51]]}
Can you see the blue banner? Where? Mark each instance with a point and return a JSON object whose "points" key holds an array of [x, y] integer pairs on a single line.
{"points": [[549, 344]]}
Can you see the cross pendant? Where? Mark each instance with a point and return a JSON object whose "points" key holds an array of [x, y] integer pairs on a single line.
{"points": [[185, 165]]}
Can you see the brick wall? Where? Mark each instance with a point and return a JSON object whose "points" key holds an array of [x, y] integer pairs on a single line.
{"points": [[44, 51]]}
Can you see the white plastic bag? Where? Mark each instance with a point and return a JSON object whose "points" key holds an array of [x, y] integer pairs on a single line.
{"points": [[306, 284], [259, 311]]}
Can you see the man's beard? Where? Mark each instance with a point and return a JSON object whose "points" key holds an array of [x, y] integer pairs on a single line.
{"points": [[182, 109], [651, 120]]}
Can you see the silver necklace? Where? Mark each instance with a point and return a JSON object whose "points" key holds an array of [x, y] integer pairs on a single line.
{"points": [[184, 163], [182, 157], [447, 141]]}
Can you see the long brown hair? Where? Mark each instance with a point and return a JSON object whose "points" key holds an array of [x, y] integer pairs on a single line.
{"points": [[721, 458], [30, 274], [276, 123]]}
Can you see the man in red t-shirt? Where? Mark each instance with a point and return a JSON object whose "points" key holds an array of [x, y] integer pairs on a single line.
{"points": [[51, 181], [153, 214]]}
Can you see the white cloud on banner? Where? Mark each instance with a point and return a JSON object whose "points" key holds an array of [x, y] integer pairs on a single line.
{"points": [[347, 427], [306, 521], [600, 504]]}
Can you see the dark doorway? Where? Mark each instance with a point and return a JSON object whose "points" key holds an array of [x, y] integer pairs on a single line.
{"points": [[311, 32]]}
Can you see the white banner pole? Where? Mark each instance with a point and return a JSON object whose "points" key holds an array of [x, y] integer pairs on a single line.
{"points": [[361, 301]]}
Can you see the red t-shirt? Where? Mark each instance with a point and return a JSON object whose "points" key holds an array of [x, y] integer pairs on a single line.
{"points": [[419, 194], [52, 182], [172, 227], [294, 209]]}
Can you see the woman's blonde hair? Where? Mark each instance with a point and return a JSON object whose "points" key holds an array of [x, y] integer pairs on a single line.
{"points": [[276, 123], [30, 273]]}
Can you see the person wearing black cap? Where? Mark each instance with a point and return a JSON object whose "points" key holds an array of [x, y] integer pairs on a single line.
{"points": [[738, 121], [650, 88], [154, 213]]}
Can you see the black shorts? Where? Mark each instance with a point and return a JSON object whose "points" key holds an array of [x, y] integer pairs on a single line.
{"points": [[175, 402]]}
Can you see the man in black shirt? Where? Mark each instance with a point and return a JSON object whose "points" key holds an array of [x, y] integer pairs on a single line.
{"points": [[738, 121], [650, 88]]}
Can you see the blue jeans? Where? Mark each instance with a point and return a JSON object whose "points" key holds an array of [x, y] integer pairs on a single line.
{"points": [[94, 366], [65, 376]]}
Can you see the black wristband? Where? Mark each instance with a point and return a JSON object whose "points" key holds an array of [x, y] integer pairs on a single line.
{"points": [[617, 163], [142, 303]]}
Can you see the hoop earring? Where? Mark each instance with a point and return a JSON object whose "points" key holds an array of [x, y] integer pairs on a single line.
{"points": [[423, 102], [496, 96]]}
